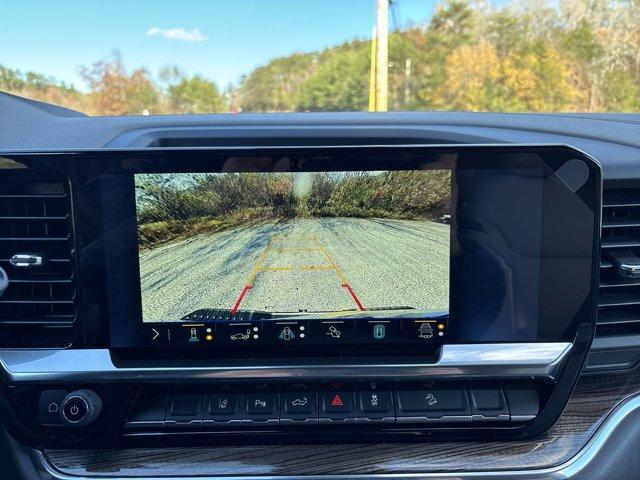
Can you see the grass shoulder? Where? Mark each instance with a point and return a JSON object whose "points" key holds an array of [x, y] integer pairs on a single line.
{"points": [[155, 234]]}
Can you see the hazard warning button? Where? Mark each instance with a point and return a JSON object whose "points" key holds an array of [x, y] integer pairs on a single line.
{"points": [[337, 402]]}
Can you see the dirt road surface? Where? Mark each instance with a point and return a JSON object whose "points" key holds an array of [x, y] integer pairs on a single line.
{"points": [[320, 264]]}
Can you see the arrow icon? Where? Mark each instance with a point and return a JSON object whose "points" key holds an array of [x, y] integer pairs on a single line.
{"points": [[156, 333]]}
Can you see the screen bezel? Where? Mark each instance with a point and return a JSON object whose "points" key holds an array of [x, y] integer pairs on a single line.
{"points": [[82, 165]]}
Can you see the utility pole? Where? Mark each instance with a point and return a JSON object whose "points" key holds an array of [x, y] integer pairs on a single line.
{"points": [[372, 73], [382, 55]]}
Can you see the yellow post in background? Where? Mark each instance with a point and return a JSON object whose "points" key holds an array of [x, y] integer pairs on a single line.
{"points": [[372, 72], [382, 54]]}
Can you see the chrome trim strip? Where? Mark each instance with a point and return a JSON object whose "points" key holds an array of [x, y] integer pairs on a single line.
{"points": [[571, 469], [507, 360]]}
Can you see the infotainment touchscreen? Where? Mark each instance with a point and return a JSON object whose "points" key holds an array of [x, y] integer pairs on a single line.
{"points": [[326, 251], [317, 245]]}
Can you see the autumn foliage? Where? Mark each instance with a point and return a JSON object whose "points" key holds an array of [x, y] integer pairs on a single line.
{"points": [[542, 56]]}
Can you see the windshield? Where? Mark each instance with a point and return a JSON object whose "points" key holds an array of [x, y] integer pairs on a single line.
{"points": [[166, 57]]}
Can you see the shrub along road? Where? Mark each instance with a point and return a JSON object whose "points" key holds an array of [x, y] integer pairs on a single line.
{"points": [[316, 264]]}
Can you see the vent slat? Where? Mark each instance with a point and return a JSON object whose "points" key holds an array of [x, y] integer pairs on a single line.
{"points": [[620, 282], [618, 299], [50, 260], [40, 322], [35, 239], [621, 242], [38, 218], [621, 222], [618, 316], [39, 280], [36, 301], [621, 197], [618, 205], [35, 196]]}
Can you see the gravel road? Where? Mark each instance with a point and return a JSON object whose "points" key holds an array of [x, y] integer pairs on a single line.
{"points": [[322, 264]]}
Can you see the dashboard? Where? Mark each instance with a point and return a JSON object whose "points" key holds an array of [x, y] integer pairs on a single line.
{"points": [[453, 294]]}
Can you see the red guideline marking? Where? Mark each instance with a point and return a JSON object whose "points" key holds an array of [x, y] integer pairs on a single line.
{"points": [[239, 301], [354, 296]]}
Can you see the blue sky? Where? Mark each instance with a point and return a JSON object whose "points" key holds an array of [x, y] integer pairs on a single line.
{"points": [[221, 39]]}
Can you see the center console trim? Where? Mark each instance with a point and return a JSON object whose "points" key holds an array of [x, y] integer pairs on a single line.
{"points": [[588, 462], [501, 360]]}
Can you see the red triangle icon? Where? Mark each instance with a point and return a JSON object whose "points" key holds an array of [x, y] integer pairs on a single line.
{"points": [[337, 401]]}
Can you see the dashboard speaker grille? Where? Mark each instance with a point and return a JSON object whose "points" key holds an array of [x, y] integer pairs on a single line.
{"points": [[617, 342], [38, 307]]}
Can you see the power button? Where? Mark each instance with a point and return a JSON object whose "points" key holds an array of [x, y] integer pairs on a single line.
{"points": [[81, 407], [75, 409]]}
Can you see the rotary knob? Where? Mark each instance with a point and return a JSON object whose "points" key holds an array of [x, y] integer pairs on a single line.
{"points": [[80, 407]]}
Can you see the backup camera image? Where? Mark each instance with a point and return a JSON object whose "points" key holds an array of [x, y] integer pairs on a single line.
{"points": [[372, 242]]}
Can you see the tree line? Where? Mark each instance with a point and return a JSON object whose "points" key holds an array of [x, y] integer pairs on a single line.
{"points": [[542, 56], [170, 206]]}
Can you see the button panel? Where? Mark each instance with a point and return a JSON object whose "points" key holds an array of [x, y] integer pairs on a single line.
{"points": [[212, 329], [336, 403]]}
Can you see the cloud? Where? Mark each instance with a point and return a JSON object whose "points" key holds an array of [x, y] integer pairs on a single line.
{"points": [[177, 34]]}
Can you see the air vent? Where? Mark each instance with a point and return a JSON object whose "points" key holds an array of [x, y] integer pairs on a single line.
{"points": [[38, 307], [617, 342]]}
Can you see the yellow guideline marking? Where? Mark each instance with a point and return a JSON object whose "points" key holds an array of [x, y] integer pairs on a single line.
{"points": [[258, 267], [330, 259], [296, 250], [317, 267], [332, 265]]}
